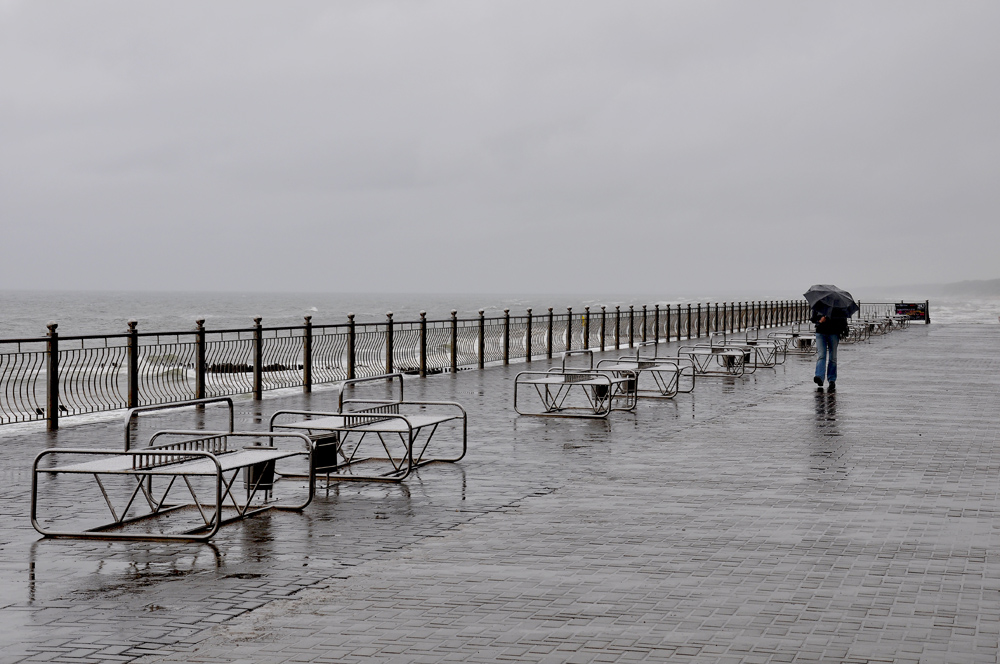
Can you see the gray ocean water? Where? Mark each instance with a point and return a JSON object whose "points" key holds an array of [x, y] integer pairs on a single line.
{"points": [[26, 313]]}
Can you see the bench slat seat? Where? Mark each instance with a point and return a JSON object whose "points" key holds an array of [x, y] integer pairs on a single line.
{"points": [[388, 425], [558, 379], [231, 460], [376, 439]]}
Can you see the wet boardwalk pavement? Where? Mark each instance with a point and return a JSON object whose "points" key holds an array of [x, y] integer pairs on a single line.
{"points": [[754, 520]]}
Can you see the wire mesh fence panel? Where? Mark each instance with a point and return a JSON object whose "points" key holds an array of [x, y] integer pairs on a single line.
{"points": [[282, 361], [22, 374], [493, 337], [621, 328], [329, 355], [539, 336], [228, 366], [93, 371], [468, 343], [519, 337], [406, 348], [594, 330], [166, 371], [369, 350], [438, 345], [560, 333], [92, 379]]}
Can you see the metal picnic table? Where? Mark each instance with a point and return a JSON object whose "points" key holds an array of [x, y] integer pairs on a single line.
{"points": [[577, 391], [342, 452]]}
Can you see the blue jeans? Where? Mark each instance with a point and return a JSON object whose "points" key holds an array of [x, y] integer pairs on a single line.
{"points": [[826, 363]]}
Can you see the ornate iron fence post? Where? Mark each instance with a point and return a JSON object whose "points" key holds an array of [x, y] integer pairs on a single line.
{"points": [[698, 320], [423, 344], [548, 336], [506, 336], [258, 359], [133, 364], [618, 327], [644, 324], [569, 328], [52, 379], [927, 309], [389, 351], [656, 326], [604, 318], [688, 335], [586, 328], [527, 338], [454, 341], [668, 325], [351, 339], [307, 355], [200, 353], [631, 326], [482, 338]]}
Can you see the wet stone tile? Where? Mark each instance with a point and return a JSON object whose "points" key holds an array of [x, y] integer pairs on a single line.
{"points": [[753, 520]]}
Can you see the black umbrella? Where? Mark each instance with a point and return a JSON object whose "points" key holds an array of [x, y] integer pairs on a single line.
{"points": [[831, 301]]}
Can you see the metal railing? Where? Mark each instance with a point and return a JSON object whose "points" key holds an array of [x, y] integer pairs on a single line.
{"points": [[54, 376]]}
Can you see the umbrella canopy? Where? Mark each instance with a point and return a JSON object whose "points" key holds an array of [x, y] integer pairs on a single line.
{"points": [[831, 301]]}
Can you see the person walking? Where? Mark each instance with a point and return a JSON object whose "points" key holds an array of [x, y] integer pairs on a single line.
{"points": [[829, 330], [831, 307]]}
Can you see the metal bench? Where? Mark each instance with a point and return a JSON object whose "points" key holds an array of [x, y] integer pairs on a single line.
{"points": [[767, 352], [717, 359], [665, 372], [342, 437], [205, 461], [577, 391], [796, 340]]}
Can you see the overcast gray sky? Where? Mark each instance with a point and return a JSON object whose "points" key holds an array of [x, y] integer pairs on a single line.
{"points": [[497, 146]]}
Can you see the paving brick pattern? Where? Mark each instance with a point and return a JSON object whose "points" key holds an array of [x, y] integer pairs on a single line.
{"points": [[754, 520]]}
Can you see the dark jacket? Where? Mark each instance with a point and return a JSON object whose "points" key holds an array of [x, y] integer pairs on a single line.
{"points": [[836, 326]]}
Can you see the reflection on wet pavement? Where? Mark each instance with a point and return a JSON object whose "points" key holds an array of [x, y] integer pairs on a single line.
{"points": [[753, 511]]}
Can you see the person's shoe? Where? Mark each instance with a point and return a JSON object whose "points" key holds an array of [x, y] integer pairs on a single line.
{"points": [[832, 387], [818, 380]]}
